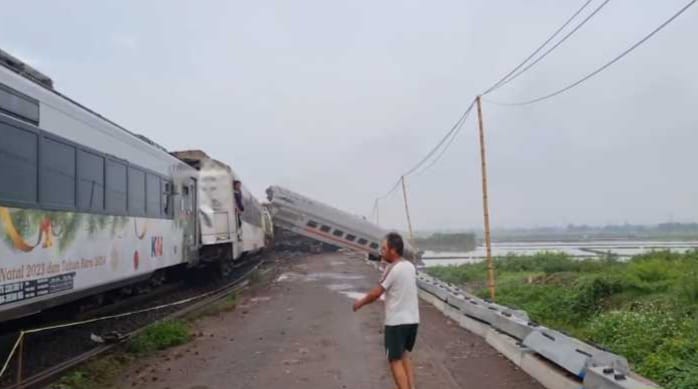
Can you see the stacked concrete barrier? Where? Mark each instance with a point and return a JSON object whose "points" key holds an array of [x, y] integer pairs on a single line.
{"points": [[536, 349]]}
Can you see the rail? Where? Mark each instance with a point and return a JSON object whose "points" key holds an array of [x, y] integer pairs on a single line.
{"points": [[191, 304]]}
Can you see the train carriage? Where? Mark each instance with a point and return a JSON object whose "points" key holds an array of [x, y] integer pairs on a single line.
{"points": [[319, 221], [225, 234], [86, 206]]}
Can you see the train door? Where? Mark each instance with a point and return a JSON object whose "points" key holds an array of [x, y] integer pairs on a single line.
{"points": [[191, 225]]}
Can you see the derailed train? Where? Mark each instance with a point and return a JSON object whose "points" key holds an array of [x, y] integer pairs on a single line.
{"points": [[316, 220], [88, 208]]}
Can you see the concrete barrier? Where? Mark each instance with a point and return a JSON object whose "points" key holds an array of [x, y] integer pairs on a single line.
{"points": [[507, 346], [571, 354], [606, 377], [546, 373]]}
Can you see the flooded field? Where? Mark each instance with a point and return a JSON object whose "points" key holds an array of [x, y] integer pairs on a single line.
{"points": [[581, 250]]}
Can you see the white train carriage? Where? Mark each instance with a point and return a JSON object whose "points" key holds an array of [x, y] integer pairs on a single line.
{"points": [[85, 205], [327, 224], [225, 234]]}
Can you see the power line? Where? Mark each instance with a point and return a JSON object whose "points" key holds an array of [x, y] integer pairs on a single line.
{"points": [[503, 79], [430, 153], [445, 148], [605, 66], [503, 82]]}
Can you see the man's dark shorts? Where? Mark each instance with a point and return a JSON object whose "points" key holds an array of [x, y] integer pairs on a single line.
{"points": [[398, 339]]}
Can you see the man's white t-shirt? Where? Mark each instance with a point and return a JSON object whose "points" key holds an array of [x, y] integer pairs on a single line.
{"points": [[401, 302]]}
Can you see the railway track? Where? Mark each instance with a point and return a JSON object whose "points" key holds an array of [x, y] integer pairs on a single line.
{"points": [[57, 368]]}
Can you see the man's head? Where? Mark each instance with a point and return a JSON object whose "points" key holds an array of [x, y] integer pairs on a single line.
{"points": [[237, 184], [392, 247]]}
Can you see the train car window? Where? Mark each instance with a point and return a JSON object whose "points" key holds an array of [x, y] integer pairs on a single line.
{"points": [[90, 181], [325, 228], [57, 174], [19, 105], [166, 201], [374, 246], [18, 158], [116, 187], [338, 233], [312, 224], [136, 192], [362, 241], [152, 192], [350, 237]]}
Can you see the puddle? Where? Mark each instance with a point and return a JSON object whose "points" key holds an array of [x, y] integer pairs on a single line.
{"points": [[338, 287], [333, 276], [318, 276]]}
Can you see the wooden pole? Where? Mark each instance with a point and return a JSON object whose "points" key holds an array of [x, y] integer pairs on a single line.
{"points": [[407, 210], [485, 204]]}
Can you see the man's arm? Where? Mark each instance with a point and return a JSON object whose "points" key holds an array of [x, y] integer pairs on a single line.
{"points": [[370, 297]]}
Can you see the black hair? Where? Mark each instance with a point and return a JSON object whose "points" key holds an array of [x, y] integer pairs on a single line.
{"points": [[235, 182], [395, 242]]}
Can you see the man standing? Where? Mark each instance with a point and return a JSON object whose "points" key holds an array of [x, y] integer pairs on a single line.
{"points": [[237, 192], [399, 283]]}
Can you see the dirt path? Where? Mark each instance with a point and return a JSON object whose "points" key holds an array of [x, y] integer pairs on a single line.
{"points": [[299, 332]]}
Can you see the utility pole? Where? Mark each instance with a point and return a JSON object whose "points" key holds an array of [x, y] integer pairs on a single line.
{"points": [[485, 204], [407, 210]]}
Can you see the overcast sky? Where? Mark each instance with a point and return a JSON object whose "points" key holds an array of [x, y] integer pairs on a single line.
{"points": [[335, 99]]}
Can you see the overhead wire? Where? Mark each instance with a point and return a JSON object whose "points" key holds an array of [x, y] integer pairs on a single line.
{"points": [[603, 67], [504, 80], [443, 140], [555, 46], [448, 144]]}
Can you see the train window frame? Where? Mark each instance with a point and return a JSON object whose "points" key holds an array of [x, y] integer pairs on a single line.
{"points": [[80, 178], [374, 245], [350, 237], [31, 197], [153, 195], [108, 187], [18, 105], [312, 224], [135, 195], [338, 233], [49, 191], [325, 228], [362, 241]]}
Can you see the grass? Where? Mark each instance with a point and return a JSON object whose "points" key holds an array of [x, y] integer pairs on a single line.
{"points": [[102, 372], [99, 373], [645, 309], [160, 336]]}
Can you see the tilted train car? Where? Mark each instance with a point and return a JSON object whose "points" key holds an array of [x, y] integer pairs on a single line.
{"points": [[86, 206], [327, 224], [225, 233]]}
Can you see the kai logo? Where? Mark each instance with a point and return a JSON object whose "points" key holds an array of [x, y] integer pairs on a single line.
{"points": [[156, 244]]}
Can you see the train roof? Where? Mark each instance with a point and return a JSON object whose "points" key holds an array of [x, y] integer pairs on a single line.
{"points": [[23, 69]]}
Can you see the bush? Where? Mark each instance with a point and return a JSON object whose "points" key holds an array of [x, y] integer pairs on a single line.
{"points": [[160, 336]]}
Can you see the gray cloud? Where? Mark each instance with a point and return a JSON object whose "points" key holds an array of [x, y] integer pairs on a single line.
{"points": [[336, 99]]}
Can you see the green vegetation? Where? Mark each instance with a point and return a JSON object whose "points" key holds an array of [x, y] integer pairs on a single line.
{"points": [[160, 336], [99, 373], [447, 242], [645, 309]]}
